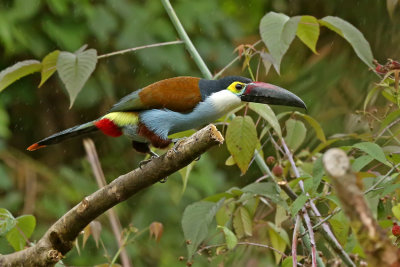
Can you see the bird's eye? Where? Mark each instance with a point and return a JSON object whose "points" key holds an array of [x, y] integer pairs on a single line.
{"points": [[239, 86]]}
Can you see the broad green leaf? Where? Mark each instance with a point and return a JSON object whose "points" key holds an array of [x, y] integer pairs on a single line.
{"points": [[230, 238], [49, 66], [75, 69], [308, 31], [224, 214], [340, 227], [196, 219], [242, 222], [17, 71], [278, 243], [241, 140], [373, 150], [295, 133], [389, 119], [7, 221], [269, 190], [21, 231], [267, 114], [277, 35], [352, 35], [396, 211], [361, 162], [298, 204], [287, 262], [317, 127]]}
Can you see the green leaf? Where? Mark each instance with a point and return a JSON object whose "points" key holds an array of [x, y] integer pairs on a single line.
{"points": [[196, 219], [22, 230], [224, 214], [242, 222], [267, 114], [277, 242], [396, 211], [230, 238], [17, 71], [389, 119], [318, 173], [361, 162], [7, 221], [314, 123], [373, 150], [308, 31], [241, 140], [287, 262], [298, 204], [277, 32], [230, 161], [75, 69], [268, 190], [352, 35], [295, 133], [49, 63], [341, 229]]}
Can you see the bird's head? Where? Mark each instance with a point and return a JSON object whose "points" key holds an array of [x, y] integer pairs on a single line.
{"points": [[260, 92]]}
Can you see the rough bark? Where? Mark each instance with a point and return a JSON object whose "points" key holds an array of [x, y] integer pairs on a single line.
{"points": [[377, 247], [59, 238]]}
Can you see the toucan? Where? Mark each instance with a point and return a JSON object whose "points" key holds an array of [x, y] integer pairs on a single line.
{"points": [[149, 115]]}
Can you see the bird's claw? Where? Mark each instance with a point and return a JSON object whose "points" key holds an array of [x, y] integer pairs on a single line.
{"points": [[163, 180], [177, 142], [144, 162]]}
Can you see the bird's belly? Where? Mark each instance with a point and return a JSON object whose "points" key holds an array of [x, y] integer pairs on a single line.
{"points": [[131, 131]]}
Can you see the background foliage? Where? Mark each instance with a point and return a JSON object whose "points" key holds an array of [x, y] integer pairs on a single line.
{"points": [[334, 83]]}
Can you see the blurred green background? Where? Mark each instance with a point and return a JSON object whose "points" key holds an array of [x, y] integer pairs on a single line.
{"points": [[48, 182]]}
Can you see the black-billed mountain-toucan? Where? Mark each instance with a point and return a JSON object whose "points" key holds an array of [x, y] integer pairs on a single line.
{"points": [[151, 114]]}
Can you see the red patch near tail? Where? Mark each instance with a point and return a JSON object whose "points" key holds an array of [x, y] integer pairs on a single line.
{"points": [[108, 127], [35, 146]]}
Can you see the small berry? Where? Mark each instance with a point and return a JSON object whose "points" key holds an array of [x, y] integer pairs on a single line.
{"points": [[396, 229], [181, 258], [277, 170], [270, 160]]}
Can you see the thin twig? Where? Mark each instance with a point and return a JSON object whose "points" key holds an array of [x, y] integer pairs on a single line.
{"points": [[294, 240], [139, 48], [232, 62], [101, 182], [387, 127]]}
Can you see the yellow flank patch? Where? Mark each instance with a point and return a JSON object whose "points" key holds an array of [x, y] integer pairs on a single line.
{"points": [[236, 87], [123, 118]]}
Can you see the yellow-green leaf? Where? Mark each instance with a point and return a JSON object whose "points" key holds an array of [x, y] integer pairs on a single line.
{"points": [[22, 230], [295, 133], [49, 64], [242, 222], [17, 71], [278, 243], [352, 35], [267, 114], [241, 140], [396, 211], [308, 32], [230, 238], [317, 127]]}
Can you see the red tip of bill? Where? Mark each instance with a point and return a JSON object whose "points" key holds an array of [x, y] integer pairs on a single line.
{"points": [[34, 147]]}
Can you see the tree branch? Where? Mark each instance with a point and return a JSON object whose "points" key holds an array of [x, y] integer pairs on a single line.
{"points": [[378, 248], [58, 240]]}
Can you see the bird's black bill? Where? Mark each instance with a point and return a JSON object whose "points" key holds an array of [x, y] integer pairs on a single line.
{"points": [[265, 93]]}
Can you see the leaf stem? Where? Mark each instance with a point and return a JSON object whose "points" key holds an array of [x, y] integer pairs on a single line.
{"points": [[138, 48]]}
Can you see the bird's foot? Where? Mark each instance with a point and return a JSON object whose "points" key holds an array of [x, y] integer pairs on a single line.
{"points": [[197, 159], [177, 142], [153, 156]]}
